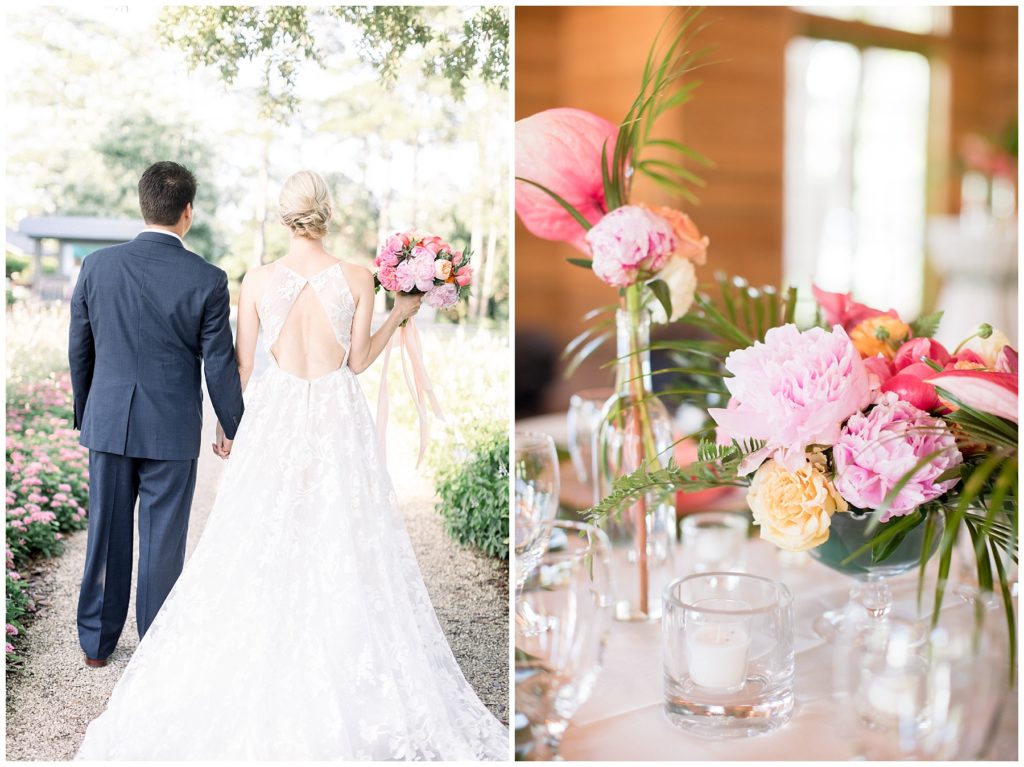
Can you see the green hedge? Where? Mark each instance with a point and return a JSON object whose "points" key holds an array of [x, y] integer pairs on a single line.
{"points": [[473, 489]]}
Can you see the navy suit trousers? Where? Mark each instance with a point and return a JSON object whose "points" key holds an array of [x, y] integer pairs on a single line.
{"points": [[164, 491]]}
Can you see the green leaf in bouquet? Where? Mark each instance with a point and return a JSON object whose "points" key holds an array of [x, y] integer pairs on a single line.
{"points": [[681, 147], [790, 311], [930, 524], [592, 345], [1011, 620], [561, 201], [927, 325], [661, 292], [889, 530], [586, 263], [882, 551]]}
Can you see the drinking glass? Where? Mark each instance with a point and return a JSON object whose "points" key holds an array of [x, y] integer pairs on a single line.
{"points": [[727, 651], [582, 420], [714, 540], [934, 695], [536, 498], [569, 592]]}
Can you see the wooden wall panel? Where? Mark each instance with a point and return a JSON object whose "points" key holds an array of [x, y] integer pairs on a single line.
{"points": [[592, 58]]}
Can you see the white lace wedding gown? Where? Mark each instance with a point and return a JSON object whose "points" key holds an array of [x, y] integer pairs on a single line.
{"points": [[300, 628]]}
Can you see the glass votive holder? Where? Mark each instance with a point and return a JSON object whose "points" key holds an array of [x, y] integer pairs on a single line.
{"points": [[714, 540], [727, 652]]}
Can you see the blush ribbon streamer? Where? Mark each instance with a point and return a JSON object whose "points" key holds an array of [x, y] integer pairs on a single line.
{"points": [[407, 340]]}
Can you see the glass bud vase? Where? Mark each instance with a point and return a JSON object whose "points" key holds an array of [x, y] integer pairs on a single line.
{"points": [[635, 428]]}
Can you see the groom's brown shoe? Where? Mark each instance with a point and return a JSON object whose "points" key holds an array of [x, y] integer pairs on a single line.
{"points": [[95, 662]]}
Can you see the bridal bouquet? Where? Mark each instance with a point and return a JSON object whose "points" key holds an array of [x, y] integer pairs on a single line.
{"points": [[409, 262], [413, 263]]}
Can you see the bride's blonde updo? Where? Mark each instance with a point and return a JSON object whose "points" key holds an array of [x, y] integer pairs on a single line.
{"points": [[305, 204]]}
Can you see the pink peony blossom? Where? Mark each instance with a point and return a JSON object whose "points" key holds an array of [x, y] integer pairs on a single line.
{"points": [[879, 447], [442, 296], [560, 149], [422, 262], [630, 241], [792, 390], [388, 278], [405, 277]]}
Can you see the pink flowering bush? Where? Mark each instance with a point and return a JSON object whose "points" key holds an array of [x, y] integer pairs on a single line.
{"points": [[630, 243], [791, 391], [47, 486], [877, 448]]}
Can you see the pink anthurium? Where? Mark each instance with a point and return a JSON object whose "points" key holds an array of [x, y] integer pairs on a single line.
{"points": [[560, 149], [984, 390], [841, 309]]}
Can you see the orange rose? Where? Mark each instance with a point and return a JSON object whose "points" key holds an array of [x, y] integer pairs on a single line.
{"points": [[690, 244], [881, 334]]}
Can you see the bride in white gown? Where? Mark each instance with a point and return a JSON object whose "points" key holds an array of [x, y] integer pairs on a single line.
{"points": [[300, 628]]}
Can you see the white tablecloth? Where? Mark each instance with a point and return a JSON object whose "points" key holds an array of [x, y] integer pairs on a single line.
{"points": [[623, 719]]}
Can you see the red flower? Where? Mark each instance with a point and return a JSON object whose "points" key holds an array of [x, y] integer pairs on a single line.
{"points": [[841, 309]]}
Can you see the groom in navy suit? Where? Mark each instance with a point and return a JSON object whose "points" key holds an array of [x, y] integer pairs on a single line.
{"points": [[145, 317]]}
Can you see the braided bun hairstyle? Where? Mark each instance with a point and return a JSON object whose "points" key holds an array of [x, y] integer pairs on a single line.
{"points": [[305, 205]]}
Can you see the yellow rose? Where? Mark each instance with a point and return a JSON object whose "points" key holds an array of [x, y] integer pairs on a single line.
{"points": [[794, 509], [879, 335]]}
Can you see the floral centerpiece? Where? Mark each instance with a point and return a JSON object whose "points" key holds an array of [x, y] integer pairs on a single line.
{"points": [[864, 420], [574, 172]]}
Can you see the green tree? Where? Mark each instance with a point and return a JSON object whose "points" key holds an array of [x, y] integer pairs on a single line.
{"points": [[129, 145], [280, 38]]}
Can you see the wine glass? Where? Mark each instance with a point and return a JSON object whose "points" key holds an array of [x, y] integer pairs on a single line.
{"points": [[570, 592], [582, 420], [536, 498]]}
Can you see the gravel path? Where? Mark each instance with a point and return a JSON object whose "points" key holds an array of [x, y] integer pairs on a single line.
{"points": [[52, 698]]}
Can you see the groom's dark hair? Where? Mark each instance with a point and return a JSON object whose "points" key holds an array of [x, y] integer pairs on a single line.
{"points": [[164, 191]]}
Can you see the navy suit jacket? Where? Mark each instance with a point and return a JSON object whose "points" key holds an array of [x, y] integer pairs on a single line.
{"points": [[145, 316]]}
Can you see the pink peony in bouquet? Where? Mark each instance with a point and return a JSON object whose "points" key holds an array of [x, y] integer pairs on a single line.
{"points": [[416, 263]]}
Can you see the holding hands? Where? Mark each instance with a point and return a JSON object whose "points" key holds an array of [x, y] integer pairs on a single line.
{"points": [[222, 446]]}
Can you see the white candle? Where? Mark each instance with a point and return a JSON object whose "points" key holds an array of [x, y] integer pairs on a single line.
{"points": [[716, 654], [894, 693], [714, 544]]}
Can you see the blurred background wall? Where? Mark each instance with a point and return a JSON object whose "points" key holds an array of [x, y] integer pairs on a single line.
{"points": [[871, 149]]}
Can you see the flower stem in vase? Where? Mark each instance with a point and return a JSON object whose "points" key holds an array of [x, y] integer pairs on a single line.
{"points": [[636, 432]]}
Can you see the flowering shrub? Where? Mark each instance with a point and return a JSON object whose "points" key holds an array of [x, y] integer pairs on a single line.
{"points": [[47, 486]]}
